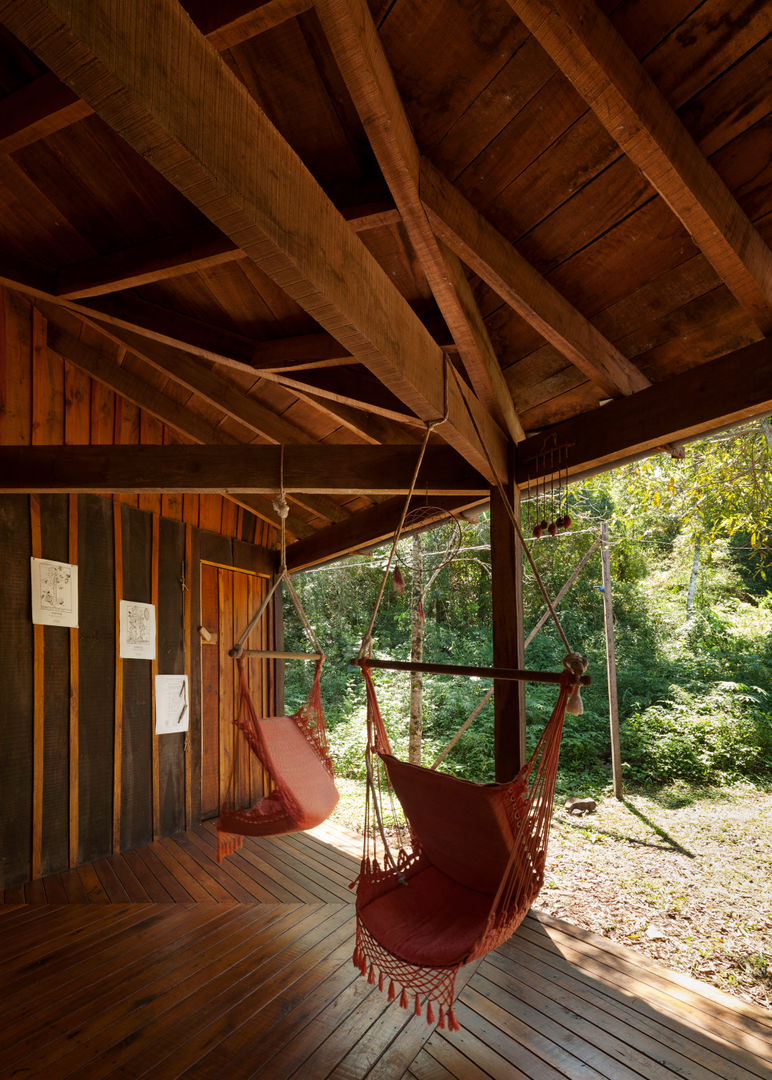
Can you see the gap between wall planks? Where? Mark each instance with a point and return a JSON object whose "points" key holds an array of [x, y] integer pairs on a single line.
{"points": [[38, 715], [154, 557], [118, 708], [74, 697]]}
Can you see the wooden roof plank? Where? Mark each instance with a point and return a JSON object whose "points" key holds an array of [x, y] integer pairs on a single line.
{"points": [[354, 40], [139, 69], [503, 269], [586, 47]]}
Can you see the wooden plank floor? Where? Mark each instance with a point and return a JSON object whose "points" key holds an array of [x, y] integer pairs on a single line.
{"points": [[160, 963]]}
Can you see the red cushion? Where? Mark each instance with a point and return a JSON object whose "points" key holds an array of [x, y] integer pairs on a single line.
{"points": [[430, 922], [464, 827], [297, 770]]}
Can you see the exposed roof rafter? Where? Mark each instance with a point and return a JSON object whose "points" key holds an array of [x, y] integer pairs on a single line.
{"points": [[138, 69], [586, 47]]}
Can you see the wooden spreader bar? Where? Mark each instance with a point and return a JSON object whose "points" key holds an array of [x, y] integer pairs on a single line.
{"points": [[510, 674], [274, 654]]}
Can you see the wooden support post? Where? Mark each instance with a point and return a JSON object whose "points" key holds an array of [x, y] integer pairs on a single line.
{"points": [[38, 719], [153, 672], [611, 664], [508, 635], [74, 701], [118, 708]]}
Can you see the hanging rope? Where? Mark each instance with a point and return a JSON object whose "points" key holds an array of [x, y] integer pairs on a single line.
{"points": [[512, 516], [367, 640]]}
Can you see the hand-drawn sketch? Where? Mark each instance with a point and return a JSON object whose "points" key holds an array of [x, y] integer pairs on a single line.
{"points": [[137, 627], [54, 592], [171, 704]]}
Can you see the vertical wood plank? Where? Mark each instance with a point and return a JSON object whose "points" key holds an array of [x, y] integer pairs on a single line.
{"points": [[16, 680], [118, 699], [74, 721], [187, 627], [171, 661], [194, 756], [47, 378], [38, 715], [190, 509], [210, 694], [54, 528], [15, 388], [277, 689], [137, 759], [102, 414], [77, 407], [508, 635], [154, 556], [96, 674]]}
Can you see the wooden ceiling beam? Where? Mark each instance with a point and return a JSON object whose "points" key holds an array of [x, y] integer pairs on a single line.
{"points": [[590, 52], [170, 256], [353, 38], [97, 364], [140, 67], [37, 110], [494, 259], [237, 470], [227, 25], [705, 398]]}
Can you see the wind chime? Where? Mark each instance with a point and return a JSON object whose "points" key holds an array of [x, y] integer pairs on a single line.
{"points": [[547, 491]]}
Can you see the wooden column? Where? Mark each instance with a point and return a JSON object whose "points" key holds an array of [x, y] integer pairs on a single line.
{"points": [[118, 700], [74, 720], [38, 719], [508, 634], [611, 663], [154, 562]]}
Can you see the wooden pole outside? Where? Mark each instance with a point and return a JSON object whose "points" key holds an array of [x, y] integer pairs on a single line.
{"points": [[611, 665]]}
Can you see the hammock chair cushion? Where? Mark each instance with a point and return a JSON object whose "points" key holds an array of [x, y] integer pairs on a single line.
{"points": [[305, 794], [466, 829], [432, 921]]}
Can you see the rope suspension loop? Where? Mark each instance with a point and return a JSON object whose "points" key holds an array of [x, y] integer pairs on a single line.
{"points": [[366, 647], [281, 506]]}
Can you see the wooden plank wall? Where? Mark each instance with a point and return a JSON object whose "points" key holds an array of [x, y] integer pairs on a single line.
{"points": [[46, 401], [82, 773]]}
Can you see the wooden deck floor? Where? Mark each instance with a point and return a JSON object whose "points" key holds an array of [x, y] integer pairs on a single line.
{"points": [[159, 963]]}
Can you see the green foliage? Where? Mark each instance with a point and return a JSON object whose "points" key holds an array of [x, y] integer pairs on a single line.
{"points": [[695, 692]]}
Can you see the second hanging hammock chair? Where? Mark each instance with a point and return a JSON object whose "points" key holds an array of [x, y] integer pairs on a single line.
{"points": [[292, 749], [475, 858]]}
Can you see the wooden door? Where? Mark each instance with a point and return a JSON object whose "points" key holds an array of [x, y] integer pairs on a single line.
{"points": [[229, 597]]}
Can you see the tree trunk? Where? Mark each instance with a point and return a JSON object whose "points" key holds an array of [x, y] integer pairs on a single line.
{"points": [[415, 730], [693, 578]]}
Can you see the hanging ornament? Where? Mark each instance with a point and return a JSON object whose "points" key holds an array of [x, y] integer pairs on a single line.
{"points": [[399, 581]]}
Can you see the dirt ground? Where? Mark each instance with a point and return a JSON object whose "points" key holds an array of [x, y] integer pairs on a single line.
{"points": [[688, 881]]}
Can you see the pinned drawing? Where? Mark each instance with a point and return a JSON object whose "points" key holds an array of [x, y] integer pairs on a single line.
{"points": [[171, 704], [137, 629], [54, 593]]}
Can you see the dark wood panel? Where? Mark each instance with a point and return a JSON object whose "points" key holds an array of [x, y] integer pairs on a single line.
{"points": [[171, 661], [54, 527], [210, 677], [194, 652], [136, 763], [98, 621], [16, 683]]}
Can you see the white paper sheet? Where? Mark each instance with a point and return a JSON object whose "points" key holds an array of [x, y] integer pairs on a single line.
{"points": [[171, 704], [137, 625], [54, 593]]}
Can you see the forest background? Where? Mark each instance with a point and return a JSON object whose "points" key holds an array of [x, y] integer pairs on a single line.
{"points": [[691, 559]]}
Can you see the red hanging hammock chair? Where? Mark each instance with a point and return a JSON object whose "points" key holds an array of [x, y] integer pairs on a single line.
{"points": [[473, 867], [292, 749], [476, 856]]}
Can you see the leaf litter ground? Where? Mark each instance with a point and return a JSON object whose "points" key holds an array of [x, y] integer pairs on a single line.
{"points": [[685, 879]]}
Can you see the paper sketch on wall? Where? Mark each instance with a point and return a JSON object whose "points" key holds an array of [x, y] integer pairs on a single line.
{"points": [[137, 626], [54, 593], [171, 704]]}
